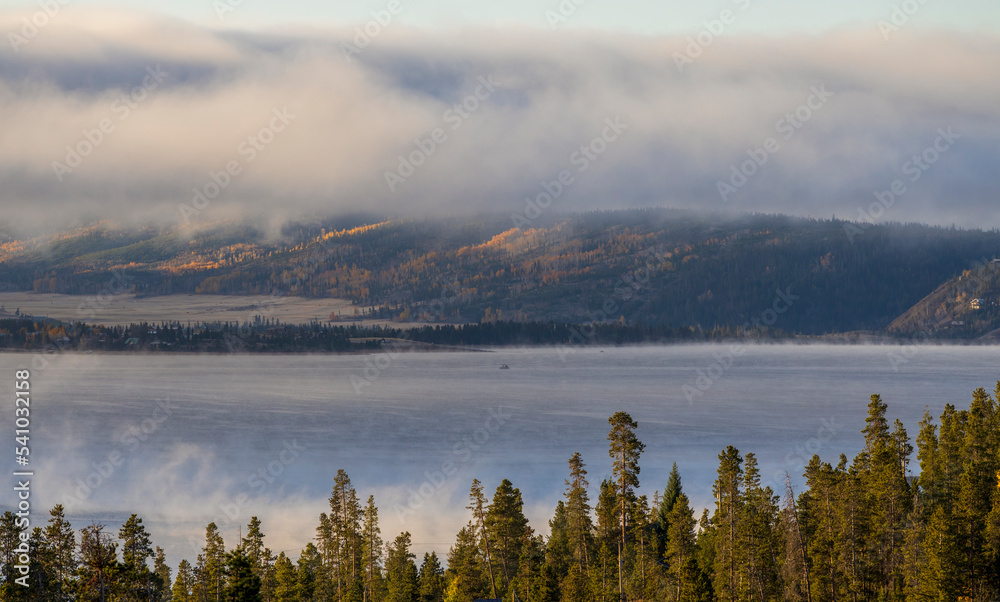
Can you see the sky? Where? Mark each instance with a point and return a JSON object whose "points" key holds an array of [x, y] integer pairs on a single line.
{"points": [[194, 111]]}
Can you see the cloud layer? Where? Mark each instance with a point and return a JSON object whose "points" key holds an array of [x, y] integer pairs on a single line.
{"points": [[291, 123]]}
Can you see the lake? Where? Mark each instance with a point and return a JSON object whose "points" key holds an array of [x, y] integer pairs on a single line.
{"points": [[183, 440]]}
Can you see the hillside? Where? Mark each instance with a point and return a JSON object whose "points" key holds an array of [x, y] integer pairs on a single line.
{"points": [[653, 266], [965, 306]]}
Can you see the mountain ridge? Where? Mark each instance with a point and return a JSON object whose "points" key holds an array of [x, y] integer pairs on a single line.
{"points": [[651, 266]]}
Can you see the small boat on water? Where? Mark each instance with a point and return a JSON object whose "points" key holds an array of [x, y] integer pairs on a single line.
{"points": [[504, 367]]}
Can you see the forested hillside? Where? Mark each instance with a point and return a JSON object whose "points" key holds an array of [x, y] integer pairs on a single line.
{"points": [[965, 306], [656, 266], [864, 529]]}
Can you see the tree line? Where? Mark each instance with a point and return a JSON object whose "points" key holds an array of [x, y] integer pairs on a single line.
{"points": [[859, 531], [270, 335]]}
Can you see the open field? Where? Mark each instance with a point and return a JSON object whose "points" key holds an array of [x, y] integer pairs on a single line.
{"points": [[127, 309]]}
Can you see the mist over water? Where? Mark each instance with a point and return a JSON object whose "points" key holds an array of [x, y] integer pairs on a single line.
{"points": [[183, 440]]}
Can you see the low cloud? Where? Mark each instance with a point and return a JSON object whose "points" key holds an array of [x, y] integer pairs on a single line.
{"points": [[355, 121]]}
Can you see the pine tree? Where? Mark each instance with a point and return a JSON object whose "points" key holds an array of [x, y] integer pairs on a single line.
{"points": [[345, 531], [662, 517], [261, 558], [162, 572], [641, 560], [431, 579], [625, 449], [795, 562], [684, 582], [183, 583], [321, 574], [312, 577], [760, 540], [211, 573], [976, 486], [286, 580], [557, 549], [371, 550], [99, 560], [10, 539], [243, 584], [888, 500], [466, 574], [478, 505], [579, 526], [400, 571], [61, 543], [729, 504], [507, 528], [136, 549]]}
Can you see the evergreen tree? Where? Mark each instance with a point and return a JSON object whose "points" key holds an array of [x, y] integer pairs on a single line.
{"points": [[729, 506], [507, 528], [431, 578], [261, 558], [400, 571], [579, 526], [795, 562], [557, 550], [99, 565], [138, 581], [162, 572], [625, 449], [311, 574], [466, 574], [680, 556], [61, 559], [371, 550], [661, 522], [183, 583], [211, 571], [243, 584], [10, 539], [760, 535], [478, 505], [345, 533], [286, 580], [888, 500]]}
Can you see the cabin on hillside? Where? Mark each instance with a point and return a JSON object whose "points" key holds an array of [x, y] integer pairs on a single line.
{"points": [[977, 303]]}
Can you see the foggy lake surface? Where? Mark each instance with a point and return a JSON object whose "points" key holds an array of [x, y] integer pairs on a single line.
{"points": [[183, 440]]}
